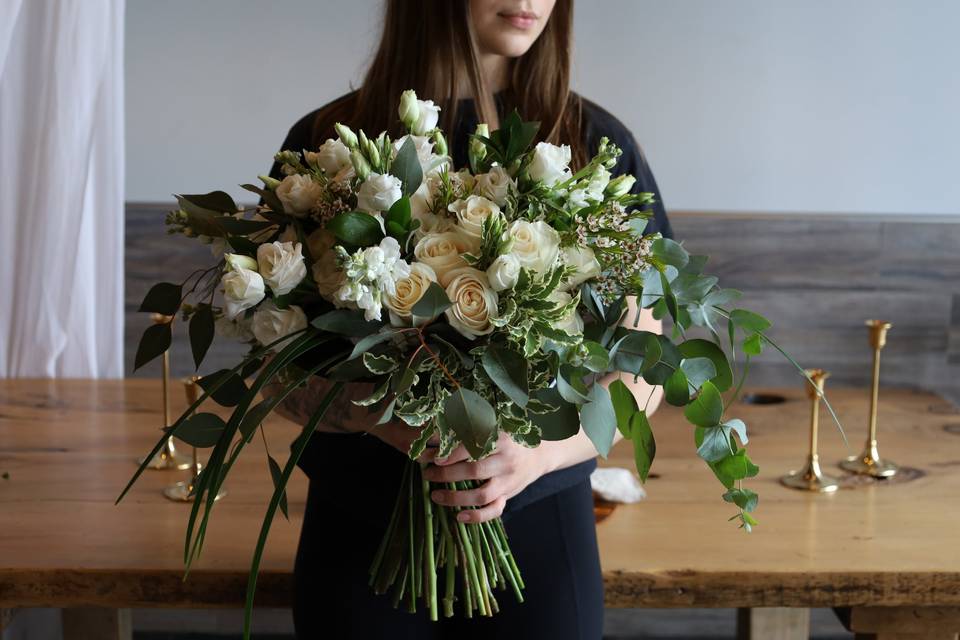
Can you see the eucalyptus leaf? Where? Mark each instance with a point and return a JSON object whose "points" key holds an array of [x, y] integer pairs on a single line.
{"points": [[227, 387], [707, 408], [624, 405], [561, 423], [406, 167], [676, 390], [644, 444], [433, 302], [356, 228], [700, 348], [599, 419], [201, 332], [698, 370], [201, 430], [155, 340], [346, 322], [670, 252]]}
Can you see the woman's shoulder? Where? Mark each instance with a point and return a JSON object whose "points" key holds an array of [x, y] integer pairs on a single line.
{"points": [[598, 123], [317, 124]]}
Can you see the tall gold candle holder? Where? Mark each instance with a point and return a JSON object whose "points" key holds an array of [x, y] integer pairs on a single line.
{"points": [[168, 457], [811, 477], [184, 491], [869, 461]]}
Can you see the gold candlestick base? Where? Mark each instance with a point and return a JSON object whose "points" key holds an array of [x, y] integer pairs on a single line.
{"points": [[183, 492], [810, 478], [168, 458], [869, 463]]}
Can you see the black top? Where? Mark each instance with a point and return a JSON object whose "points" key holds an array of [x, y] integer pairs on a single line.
{"points": [[363, 471]]}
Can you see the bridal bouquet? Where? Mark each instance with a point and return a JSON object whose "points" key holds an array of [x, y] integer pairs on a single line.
{"points": [[481, 300]]}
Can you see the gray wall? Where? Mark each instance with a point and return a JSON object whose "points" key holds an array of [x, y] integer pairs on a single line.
{"points": [[744, 105]]}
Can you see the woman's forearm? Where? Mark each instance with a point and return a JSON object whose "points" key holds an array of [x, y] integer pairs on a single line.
{"points": [[342, 416]]}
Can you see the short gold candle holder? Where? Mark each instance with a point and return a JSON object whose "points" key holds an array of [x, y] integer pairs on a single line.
{"points": [[811, 477], [184, 491], [869, 461], [168, 457]]}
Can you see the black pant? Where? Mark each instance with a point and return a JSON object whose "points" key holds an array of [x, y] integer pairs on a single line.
{"points": [[553, 539]]}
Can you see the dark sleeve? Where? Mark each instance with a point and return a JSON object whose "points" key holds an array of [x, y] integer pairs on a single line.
{"points": [[298, 138], [635, 163]]}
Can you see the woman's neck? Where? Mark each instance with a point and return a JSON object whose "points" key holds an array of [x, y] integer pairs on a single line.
{"points": [[496, 71]]}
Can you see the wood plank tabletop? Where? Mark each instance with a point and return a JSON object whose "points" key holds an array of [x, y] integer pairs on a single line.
{"points": [[67, 447]]}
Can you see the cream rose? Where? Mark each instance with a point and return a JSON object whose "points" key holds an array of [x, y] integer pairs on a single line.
{"points": [[299, 194], [408, 292], [470, 216], [332, 157], [474, 302], [571, 323], [270, 324], [503, 272], [281, 265], [584, 260], [242, 289], [378, 192], [442, 252], [550, 163], [496, 185], [535, 244]]}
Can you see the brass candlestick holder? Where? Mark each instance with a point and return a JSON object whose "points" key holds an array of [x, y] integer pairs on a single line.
{"points": [[184, 491], [869, 461], [168, 457], [811, 477]]}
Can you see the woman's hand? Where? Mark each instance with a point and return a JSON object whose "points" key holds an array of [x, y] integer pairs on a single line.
{"points": [[506, 472]]}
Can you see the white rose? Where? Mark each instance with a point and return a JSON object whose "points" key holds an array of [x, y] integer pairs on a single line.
{"points": [[442, 252], [333, 156], [495, 185], [299, 194], [378, 192], [571, 323], [585, 262], [535, 244], [407, 293], [470, 216], [242, 289], [281, 265], [270, 323], [503, 272], [474, 302], [550, 163]]}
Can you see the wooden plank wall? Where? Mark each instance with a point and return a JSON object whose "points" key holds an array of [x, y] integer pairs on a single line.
{"points": [[817, 277]]}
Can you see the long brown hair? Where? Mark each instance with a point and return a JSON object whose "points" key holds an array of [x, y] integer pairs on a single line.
{"points": [[430, 46]]}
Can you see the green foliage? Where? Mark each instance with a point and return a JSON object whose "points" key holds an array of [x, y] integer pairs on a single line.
{"points": [[356, 228], [202, 430], [433, 302], [508, 369], [644, 444], [707, 408], [225, 387], [506, 145], [473, 420], [201, 332], [599, 419], [406, 167], [346, 322], [154, 342], [163, 298]]}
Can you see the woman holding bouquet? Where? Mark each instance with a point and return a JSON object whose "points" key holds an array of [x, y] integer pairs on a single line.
{"points": [[478, 60]]}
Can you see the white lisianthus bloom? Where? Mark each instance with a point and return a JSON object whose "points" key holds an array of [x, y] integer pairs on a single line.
{"points": [[550, 163], [503, 272], [535, 244], [571, 323], [378, 192], [332, 157], [496, 185], [271, 323], [281, 265], [299, 194], [419, 116], [242, 289], [238, 261], [442, 252], [407, 293], [470, 216], [584, 260], [474, 302]]}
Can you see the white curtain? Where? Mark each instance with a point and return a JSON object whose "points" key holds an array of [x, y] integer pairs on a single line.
{"points": [[61, 188]]}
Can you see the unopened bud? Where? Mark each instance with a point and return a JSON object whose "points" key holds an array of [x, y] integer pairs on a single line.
{"points": [[346, 135]]}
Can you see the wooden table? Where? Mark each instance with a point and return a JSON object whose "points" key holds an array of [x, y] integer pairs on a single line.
{"points": [[886, 553]]}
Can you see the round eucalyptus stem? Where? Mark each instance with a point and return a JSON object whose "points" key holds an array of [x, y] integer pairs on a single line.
{"points": [[430, 568]]}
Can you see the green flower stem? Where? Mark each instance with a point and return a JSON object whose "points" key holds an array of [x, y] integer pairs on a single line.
{"points": [[448, 556], [411, 567], [513, 563], [430, 567], [509, 568], [388, 536], [489, 558]]}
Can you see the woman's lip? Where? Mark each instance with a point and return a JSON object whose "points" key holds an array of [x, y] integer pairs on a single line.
{"points": [[522, 20]]}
